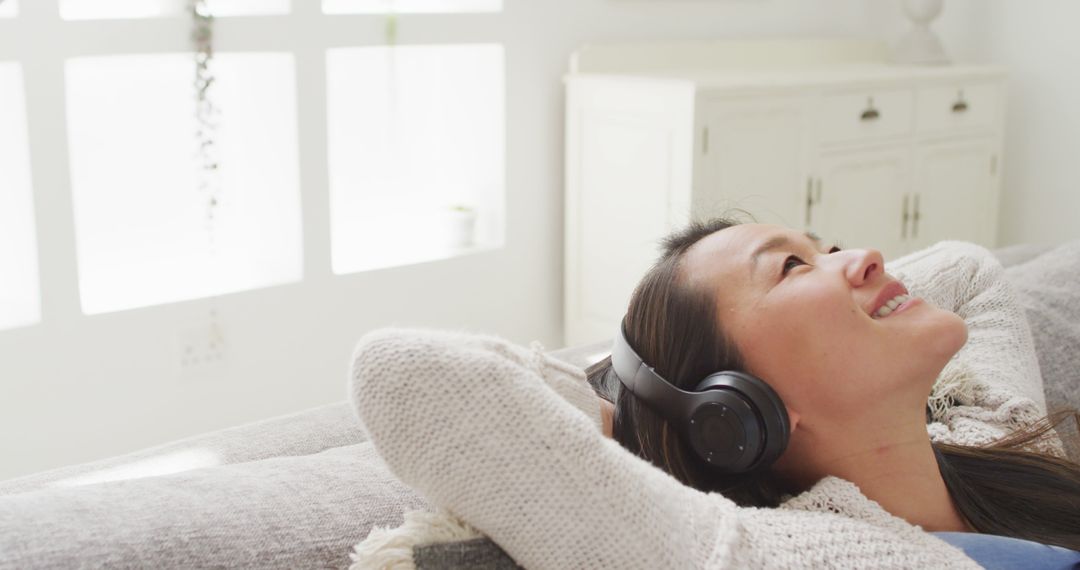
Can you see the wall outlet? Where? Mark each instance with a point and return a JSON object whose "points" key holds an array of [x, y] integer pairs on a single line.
{"points": [[201, 348]]}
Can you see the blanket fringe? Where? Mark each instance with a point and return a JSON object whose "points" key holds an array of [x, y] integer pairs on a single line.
{"points": [[392, 548], [952, 386]]}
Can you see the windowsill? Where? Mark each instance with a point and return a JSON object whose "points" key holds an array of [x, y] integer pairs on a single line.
{"points": [[449, 252]]}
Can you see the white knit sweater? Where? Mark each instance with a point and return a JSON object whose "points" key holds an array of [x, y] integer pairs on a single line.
{"points": [[510, 440]]}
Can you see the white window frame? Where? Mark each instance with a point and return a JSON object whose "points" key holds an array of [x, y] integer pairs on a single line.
{"points": [[41, 42]]}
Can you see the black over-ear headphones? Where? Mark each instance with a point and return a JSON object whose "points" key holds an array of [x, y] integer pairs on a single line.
{"points": [[733, 420]]}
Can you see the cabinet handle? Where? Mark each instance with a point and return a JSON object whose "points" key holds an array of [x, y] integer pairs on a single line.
{"points": [[960, 105], [809, 199], [915, 219], [870, 113], [904, 219]]}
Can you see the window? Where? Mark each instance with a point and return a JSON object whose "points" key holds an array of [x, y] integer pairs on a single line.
{"points": [[144, 231], [412, 162], [116, 9], [402, 6], [9, 8], [20, 302], [416, 152]]}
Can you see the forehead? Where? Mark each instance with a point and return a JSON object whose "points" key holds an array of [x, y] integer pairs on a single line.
{"points": [[725, 256]]}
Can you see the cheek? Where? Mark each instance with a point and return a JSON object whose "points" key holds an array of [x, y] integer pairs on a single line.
{"points": [[796, 349], [782, 346], [807, 325]]}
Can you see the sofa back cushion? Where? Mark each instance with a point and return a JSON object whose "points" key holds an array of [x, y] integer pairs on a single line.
{"points": [[287, 512], [1048, 287]]}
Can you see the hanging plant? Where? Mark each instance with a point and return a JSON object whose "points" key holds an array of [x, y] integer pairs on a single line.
{"points": [[206, 126], [206, 113]]}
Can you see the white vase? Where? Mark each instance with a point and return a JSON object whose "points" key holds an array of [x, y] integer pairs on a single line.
{"points": [[921, 45]]}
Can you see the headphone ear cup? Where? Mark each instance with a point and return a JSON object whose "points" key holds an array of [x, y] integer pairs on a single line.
{"points": [[722, 430], [740, 424]]}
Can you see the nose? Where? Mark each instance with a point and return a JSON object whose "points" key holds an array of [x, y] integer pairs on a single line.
{"points": [[863, 266]]}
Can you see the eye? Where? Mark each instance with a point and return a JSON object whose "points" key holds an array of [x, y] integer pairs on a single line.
{"points": [[790, 263]]}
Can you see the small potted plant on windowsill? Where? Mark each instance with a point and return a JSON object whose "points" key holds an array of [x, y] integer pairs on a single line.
{"points": [[460, 225]]}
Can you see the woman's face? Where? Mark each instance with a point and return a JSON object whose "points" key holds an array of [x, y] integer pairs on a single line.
{"points": [[803, 316]]}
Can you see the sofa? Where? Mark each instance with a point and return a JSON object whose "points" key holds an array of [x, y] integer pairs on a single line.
{"points": [[299, 491]]}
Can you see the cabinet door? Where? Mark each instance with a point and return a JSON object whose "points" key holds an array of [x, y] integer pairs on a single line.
{"points": [[752, 156], [955, 192], [628, 160], [858, 198]]}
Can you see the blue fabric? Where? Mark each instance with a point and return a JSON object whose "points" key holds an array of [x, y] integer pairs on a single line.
{"points": [[1004, 553]]}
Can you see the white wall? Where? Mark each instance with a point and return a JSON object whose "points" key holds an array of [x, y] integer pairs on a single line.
{"points": [[1038, 42], [76, 388]]}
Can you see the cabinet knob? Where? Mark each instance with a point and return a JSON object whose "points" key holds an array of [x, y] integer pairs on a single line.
{"points": [[960, 105], [870, 113]]}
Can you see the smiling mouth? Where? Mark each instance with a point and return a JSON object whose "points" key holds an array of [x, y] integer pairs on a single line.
{"points": [[891, 306]]}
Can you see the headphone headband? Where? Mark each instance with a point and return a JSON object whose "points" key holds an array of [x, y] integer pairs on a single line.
{"points": [[643, 381]]}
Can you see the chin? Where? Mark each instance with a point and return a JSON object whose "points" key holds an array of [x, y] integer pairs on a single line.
{"points": [[948, 335]]}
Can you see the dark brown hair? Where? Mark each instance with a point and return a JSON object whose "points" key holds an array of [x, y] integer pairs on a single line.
{"points": [[1000, 488]]}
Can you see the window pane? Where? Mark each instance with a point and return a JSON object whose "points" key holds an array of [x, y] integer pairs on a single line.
{"points": [[9, 8], [142, 223], [415, 134], [404, 6], [114, 9], [20, 302]]}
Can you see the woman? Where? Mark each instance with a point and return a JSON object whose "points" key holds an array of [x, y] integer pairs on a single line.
{"points": [[854, 371], [496, 434]]}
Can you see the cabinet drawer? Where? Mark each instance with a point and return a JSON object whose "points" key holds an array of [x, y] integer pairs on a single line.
{"points": [[860, 115], [957, 107]]}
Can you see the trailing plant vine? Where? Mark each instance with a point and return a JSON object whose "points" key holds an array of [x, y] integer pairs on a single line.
{"points": [[206, 112], [206, 125]]}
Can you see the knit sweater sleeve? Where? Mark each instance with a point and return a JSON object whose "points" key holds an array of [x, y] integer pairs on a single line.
{"points": [[992, 386], [477, 425]]}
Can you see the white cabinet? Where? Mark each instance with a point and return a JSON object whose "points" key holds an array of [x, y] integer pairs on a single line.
{"points": [[861, 152], [903, 184]]}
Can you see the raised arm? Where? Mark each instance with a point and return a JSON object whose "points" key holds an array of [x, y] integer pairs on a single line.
{"points": [[992, 386], [478, 426], [474, 423]]}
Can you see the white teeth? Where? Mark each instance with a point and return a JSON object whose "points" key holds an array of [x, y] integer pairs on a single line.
{"points": [[890, 306]]}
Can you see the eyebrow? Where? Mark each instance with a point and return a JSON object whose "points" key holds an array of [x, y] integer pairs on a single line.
{"points": [[778, 241]]}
